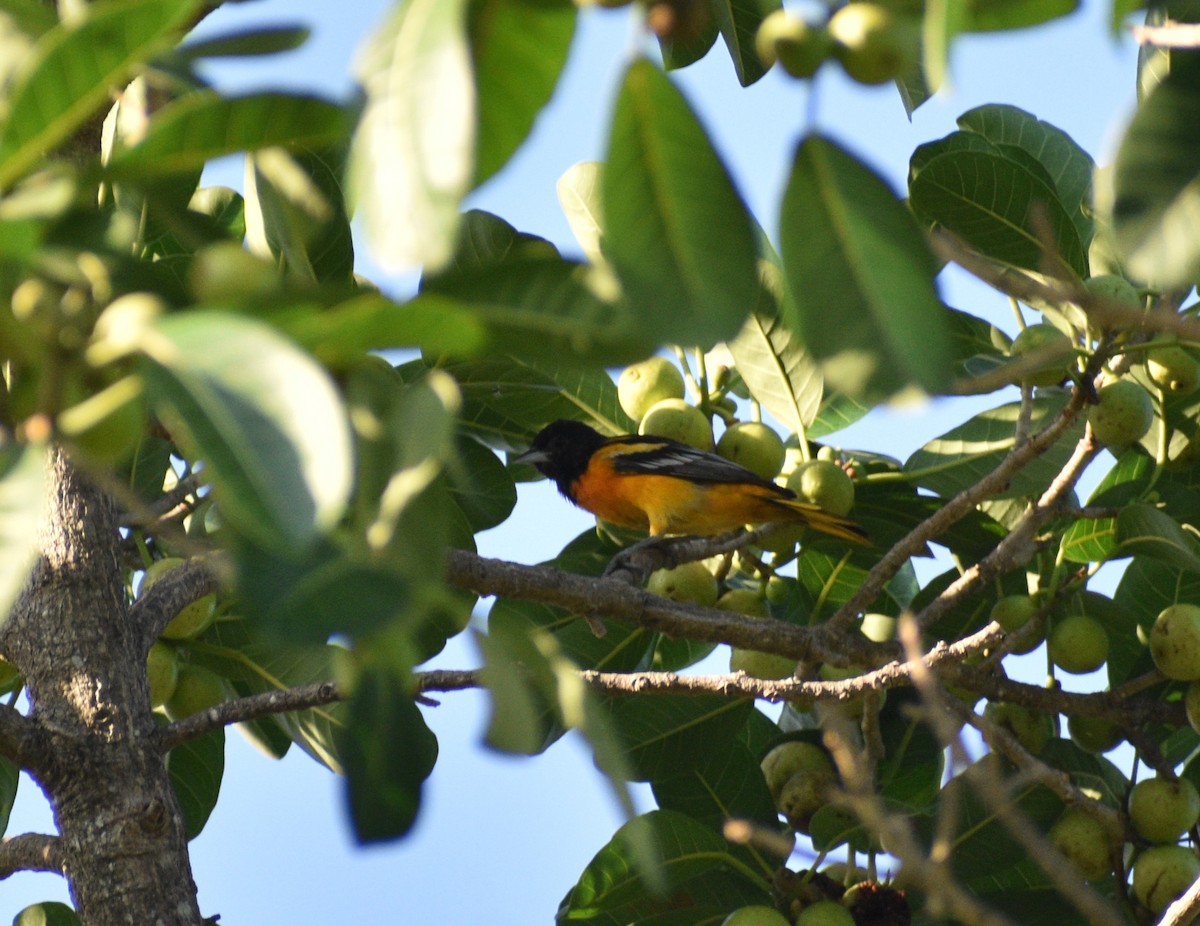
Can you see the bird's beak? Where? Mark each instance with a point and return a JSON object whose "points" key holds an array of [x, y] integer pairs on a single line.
{"points": [[531, 457]]}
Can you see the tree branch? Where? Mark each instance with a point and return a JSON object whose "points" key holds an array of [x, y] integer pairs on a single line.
{"points": [[251, 707], [30, 852], [954, 509], [21, 741], [173, 591]]}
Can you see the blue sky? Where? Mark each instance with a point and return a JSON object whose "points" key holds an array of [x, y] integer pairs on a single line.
{"points": [[501, 840]]}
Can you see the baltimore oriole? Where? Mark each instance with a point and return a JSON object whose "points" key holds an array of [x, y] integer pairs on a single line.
{"points": [[665, 487]]}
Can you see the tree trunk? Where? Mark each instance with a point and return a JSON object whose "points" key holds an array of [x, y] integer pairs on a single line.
{"points": [[99, 760]]}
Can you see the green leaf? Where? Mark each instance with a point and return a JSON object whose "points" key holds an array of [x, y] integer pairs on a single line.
{"points": [[680, 51], [47, 913], [196, 768], [202, 126], [1069, 166], [729, 784], [262, 415], [578, 192], [670, 734], [994, 15], [254, 665], [676, 229], [1094, 774], [704, 879], [72, 70], [994, 204], [267, 40], [389, 752], [438, 325], [860, 277], [1155, 208], [738, 21], [295, 210], [412, 158], [10, 778], [525, 716], [1090, 540], [963, 455], [910, 773], [1145, 531], [506, 401], [518, 48], [481, 486], [22, 511], [776, 369]]}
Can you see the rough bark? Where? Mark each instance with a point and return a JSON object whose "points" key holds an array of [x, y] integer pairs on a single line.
{"points": [[98, 757]]}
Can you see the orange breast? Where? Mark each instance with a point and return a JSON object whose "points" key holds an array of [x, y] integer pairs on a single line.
{"points": [[668, 505]]}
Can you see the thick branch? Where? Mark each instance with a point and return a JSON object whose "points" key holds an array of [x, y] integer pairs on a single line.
{"points": [[172, 592], [21, 741], [30, 852]]}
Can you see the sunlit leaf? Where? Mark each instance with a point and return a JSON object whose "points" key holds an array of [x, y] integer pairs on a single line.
{"points": [[1155, 205], [23, 480], [73, 67], [203, 126], [518, 48], [860, 277], [676, 229], [262, 416], [413, 154]]}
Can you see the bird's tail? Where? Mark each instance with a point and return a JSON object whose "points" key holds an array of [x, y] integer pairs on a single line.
{"points": [[826, 522]]}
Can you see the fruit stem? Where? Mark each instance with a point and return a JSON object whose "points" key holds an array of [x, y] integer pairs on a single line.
{"points": [[685, 367], [1016, 307]]}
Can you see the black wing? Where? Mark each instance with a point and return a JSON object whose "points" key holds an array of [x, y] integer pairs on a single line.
{"points": [[665, 457]]}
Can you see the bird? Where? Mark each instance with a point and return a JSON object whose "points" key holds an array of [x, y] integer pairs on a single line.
{"points": [[662, 486]]}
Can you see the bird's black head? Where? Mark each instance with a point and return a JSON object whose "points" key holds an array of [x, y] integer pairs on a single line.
{"points": [[561, 451]]}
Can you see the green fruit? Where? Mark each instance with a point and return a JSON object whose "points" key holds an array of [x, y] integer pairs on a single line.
{"points": [[743, 601], [853, 707], [1032, 729], [1162, 810], [197, 689], [1012, 612], [193, 619], [641, 385], [162, 669], [823, 483], [1111, 286], [803, 795], [225, 273], [675, 419], [754, 446], [1048, 341], [1078, 644], [825, 913], [690, 582], [1093, 734], [790, 758], [1191, 704], [107, 427], [798, 47], [873, 44], [753, 662], [879, 628], [1162, 873], [755, 916], [1175, 642], [121, 328], [1123, 414], [10, 675], [1172, 369], [1083, 839]]}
